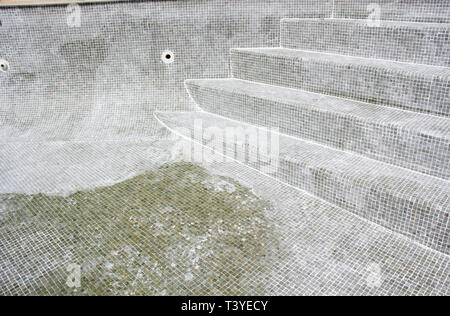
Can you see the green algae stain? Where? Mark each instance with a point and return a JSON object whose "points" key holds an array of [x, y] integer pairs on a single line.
{"points": [[176, 231]]}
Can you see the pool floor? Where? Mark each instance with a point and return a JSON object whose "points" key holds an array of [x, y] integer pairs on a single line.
{"points": [[220, 229]]}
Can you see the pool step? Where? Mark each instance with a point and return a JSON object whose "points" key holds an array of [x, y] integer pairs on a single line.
{"points": [[414, 87], [407, 139], [422, 43], [408, 202]]}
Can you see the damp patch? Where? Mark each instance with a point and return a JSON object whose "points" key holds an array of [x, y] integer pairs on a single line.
{"points": [[176, 231]]}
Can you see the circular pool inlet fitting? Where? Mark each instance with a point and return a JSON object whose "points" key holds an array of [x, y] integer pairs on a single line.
{"points": [[168, 57], [4, 66]]}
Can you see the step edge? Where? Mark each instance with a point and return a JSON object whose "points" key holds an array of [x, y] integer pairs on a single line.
{"points": [[384, 23], [431, 178], [329, 97], [357, 60]]}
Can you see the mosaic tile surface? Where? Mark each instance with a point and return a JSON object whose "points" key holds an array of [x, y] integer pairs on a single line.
{"points": [[88, 182]]}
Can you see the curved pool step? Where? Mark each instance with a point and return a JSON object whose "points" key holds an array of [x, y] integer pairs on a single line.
{"points": [[414, 87], [412, 140]]}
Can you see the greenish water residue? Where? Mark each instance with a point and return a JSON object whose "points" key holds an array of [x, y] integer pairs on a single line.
{"points": [[176, 231]]}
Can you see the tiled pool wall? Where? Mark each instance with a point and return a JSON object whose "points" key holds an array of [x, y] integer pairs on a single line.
{"points": [[62, 70], [112, 62]]}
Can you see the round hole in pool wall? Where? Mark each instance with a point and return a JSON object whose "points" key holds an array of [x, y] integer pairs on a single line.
{"points": [[168, 57], [4, 66]]}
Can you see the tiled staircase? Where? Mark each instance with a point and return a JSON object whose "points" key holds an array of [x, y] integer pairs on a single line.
{"points": [[363, 115]]}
